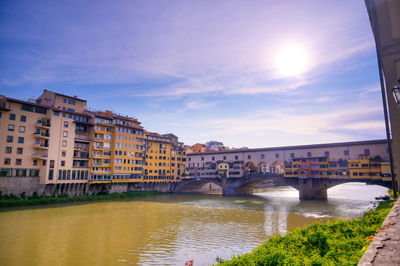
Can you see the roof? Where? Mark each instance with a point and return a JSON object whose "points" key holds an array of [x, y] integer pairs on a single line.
{"points": [[26, 102], [64, 95], [311, 146]]}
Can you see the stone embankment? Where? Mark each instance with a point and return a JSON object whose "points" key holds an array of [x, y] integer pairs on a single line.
{"points": [[385, 247]]}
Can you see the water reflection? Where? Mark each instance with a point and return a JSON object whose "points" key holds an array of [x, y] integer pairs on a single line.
{"points": [[167, 229]]}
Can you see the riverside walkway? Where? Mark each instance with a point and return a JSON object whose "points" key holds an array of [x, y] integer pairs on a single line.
{"points": [[385, 248]]}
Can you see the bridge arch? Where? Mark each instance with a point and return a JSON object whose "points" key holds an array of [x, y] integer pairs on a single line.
{"points": [[190, 185], [250, 167], [263, 167], [277, 167]]}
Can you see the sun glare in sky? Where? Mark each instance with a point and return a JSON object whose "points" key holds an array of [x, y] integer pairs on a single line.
{"points": [[292, 60]]}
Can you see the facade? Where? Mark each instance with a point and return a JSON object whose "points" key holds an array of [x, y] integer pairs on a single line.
{"points": [[385, 23], [328, 159], [165, 158], [118, 149]]}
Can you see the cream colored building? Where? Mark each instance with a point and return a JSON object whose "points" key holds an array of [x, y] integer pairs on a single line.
{"points": [[273, 159]]}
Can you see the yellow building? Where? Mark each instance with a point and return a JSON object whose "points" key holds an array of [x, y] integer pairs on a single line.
{"points": [[158, 157], [165, 158], [365, 167], [118, 145]]}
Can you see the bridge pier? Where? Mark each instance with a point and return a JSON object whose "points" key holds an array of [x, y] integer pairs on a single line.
{"points": [[312, 189]]}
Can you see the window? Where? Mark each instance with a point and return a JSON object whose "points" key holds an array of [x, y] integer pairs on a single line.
{"points": [[346, 152], [8, 149], [7, 161], [51, 163], [236, 157], [63, 153], [56, 113], [326, 153], [309, 154], [276, 155], [33, 172], [71, 101], [64, 100], [18, 161], [224, 158], [66, 123], [62, 163], [9, 138], [20, 172], [51, 174], [12, 116], [292, 155], [262, 156], [202, 158], [34, 162], [20, 150], [11, 127], [21, 129], [64, 143], [249, 157], [23, 118], [213, 158], [366, 151], [65, 133], [20, 139]]}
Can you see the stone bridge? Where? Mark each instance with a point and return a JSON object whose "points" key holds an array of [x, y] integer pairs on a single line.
{"points": [[309, 188]]}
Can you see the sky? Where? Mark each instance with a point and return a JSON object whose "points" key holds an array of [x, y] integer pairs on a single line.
{"points": [[247, 73]]}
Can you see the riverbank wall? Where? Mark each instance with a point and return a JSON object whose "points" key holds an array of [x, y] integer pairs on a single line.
{"points": [[29, 185], [19, 185], [385, 247]]}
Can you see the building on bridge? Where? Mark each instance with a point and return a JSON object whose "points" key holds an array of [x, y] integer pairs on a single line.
{"points": [[332, 159]]}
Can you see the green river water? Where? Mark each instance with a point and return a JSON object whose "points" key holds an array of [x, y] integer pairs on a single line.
{"points": [[166, 229]]}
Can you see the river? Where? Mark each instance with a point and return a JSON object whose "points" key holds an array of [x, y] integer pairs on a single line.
{"points": [[167, 229]]}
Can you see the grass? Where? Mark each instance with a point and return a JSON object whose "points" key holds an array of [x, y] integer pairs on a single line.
{"points": [[336, 242], [35, 200]]}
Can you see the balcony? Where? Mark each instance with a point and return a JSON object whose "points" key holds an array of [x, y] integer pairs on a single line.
{"points": [[83, 138], [97, 164], [96, 147], [41, 135], [95, 155], [42, 156], [43, 124], [99, 139], [41, 146], [82, 156], [80, 166], [101, 171], [4, 105]]}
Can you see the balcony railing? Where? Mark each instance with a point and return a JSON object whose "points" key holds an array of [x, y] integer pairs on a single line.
{"points": [[40, 156], [41, 134], [43, 123], [82, 137], [41, 146]]}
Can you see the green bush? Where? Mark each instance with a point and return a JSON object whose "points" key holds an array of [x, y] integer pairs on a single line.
{"points": [[335, 242]]}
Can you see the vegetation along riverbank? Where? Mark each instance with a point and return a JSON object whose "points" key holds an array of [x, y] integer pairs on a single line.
{"points": [[335, 242], [12, 201]]}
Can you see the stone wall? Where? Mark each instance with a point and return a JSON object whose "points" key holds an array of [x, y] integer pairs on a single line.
{"points": [[18, 185]]}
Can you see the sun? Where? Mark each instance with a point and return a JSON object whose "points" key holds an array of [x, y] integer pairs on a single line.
{"points": [[292, 60]]}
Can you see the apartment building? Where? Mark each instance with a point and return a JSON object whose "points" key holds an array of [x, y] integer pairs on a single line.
{"points": [[43, 139], [118, 148], [66, 147], [165, 158]]}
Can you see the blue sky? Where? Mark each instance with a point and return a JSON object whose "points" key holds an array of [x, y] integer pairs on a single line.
{"points": [[203, 70]]}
